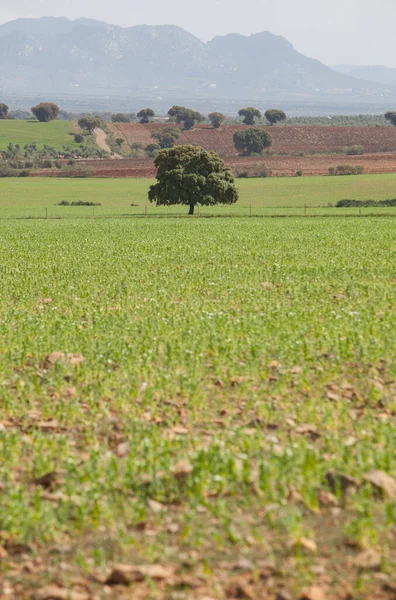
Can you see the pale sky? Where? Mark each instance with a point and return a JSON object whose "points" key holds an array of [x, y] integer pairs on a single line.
{"points": [[334, 31]]}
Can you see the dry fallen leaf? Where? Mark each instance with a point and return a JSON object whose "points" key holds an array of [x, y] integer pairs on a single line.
{"points": [[369, 560], [182, 469], [122, 450], [327, 499], [383, 482], [126, 574], [179, 430], [47, 425], [309, 430], [313, 593], [155, 506], [305, 543], [53, 592], [54, 357]]}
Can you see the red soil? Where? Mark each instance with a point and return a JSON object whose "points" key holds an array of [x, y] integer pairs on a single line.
{"points": [[279, 165], [286, 140]]}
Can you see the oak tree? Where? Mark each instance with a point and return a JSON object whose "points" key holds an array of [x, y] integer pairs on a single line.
{"points": [[190, 175]]}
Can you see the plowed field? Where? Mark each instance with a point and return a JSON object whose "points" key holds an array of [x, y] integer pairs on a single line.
{"points": [[286, 140], [279, 165]]}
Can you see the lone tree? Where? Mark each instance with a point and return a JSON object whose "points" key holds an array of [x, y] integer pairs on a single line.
{"points": [[249, 114], [391, 116], [252, 141], [3, 111], [45, 111], [184, 115], [121, 118], [216, 118], [190, 175], [166, 138], [89, 123], [145, 115], [275, 115]]}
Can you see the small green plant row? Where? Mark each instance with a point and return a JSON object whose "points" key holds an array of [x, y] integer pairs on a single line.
{"points": [[70, 170], [360, 203], [78, 203]]}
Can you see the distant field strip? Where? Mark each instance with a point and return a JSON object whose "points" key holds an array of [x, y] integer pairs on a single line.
{"points": [[39, 197], [55, 133]]}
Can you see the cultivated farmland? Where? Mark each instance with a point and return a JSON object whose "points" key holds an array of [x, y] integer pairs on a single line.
{"points": [[287, 140], [207, 403], [30, 197], [278, 165], [55, 133]]}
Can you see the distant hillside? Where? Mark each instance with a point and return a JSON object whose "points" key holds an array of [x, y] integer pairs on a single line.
{"points": [[375, 73], [87, 57]]}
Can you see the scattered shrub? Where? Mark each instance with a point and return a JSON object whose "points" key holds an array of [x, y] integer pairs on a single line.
{"points": [[355, 150], [152, 150], [299, 173], [78, 138], [78, 203], [77, 171], [360, 203], [166, 138], [346, 170]]}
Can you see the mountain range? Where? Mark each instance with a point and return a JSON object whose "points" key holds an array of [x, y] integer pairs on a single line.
{"points": [[56, 56], [375, 73]]}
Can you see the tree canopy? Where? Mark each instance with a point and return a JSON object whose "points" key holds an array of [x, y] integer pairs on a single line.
{"points": [[249, 114], [166, 138], [275, 115], [391, 116], [189, 175], [45, 111], [145, 115], [184, 115], [121, 118], [89, 123], [3, 110], [216, 118], [252, 141]]}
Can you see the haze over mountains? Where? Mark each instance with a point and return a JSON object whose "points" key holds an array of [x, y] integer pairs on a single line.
{"points": [[56, 56], [375, 73]]}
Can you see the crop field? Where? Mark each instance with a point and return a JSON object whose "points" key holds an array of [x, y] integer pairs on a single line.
{"points": [[55, 133], [30, 197], [279, 165], [197, 409], [286, 140]]}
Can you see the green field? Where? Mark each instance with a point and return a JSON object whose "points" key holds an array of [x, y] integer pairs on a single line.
{"points": [[55, 133], [220, 380], [30, 196]]}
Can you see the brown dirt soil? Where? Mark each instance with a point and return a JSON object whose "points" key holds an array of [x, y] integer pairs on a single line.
{"points": [[279, 165], [286, 140]]}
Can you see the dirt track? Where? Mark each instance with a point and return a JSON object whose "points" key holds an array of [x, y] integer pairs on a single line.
{"points": [[101, 140]]}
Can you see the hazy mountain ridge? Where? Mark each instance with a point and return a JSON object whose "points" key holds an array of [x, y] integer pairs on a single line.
{"points": [[91, 57], [375, 73]]}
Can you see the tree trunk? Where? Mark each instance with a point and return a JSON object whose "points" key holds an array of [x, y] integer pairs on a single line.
{"points": [[191, 211]]}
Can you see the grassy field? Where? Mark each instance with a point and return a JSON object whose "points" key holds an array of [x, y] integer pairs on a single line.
{"points": [[28, 197], [55, 133], [222, 393]]}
